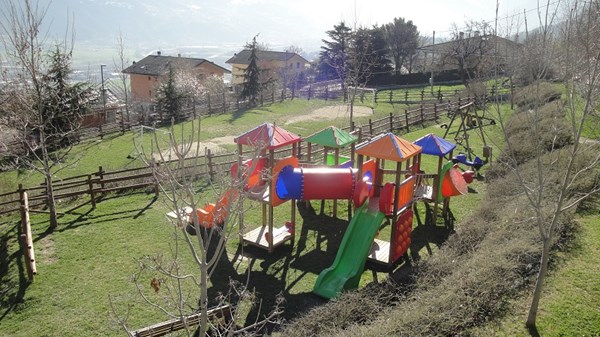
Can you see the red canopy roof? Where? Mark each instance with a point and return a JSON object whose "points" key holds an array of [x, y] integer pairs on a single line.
{"points": [[390, 147], [267, 135]]}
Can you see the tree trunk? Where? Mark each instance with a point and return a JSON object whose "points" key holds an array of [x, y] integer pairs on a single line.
{"points": [[47, 167], [539, 285], [50, 200], [203, 290]]}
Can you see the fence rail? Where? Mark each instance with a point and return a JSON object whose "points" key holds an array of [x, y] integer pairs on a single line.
{"points": [[211, 164]]}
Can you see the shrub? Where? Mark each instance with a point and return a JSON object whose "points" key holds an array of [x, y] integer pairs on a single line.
{"points": [[552, 133], [536, 94]]}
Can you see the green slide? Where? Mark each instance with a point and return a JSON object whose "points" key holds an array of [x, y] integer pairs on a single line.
{"points": [[350, 260]]}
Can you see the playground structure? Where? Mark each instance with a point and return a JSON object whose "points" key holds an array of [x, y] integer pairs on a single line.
{"points": [[336, 139], [433, 191], [469, 120], [381, 196], [263, 140]]}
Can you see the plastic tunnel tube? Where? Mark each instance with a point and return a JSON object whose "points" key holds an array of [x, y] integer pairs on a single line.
{"points": [[315, 183]]}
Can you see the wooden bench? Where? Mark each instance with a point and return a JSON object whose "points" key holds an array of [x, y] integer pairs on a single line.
{"points": [[176, 324]]}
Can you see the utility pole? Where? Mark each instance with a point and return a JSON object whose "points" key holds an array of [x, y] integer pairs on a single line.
{"points": [[100, 118], [432, 62]]}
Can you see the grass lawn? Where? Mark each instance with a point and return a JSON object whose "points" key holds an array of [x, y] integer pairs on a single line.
{"points": [[93, 253], [570, 301]]}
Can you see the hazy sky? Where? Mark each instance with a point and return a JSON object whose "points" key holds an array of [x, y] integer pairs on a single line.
{"points": [[215, 29], [429, 15]]}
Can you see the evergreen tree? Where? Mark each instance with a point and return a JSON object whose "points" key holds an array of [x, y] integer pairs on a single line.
{"points": [[382, 65], [368, 56], [333, 61], [252, 85], [62, 103], [169, 98]]}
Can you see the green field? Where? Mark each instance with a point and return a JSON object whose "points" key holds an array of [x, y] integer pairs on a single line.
{"points": [[87, 263]]}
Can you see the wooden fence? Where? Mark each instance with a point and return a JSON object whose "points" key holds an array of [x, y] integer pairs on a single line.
{"points": [[211, 164]]}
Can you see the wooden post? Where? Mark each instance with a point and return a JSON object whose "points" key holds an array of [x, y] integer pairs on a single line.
{"points": [[26, 239], [326, 93], [395, 211], [370, 127], [436, 188], [309, 91], [391, 95], [309, 152], [91, 191], [324, 164], [406, 96], [391, 122], [435, 111], [422, 95], [209, 105], [294, 91], [211, 172], [241, 200], [273, 94], [271, 188], [406, 119], [100, 175], [336, 160], [224, 103], [422, 115]]}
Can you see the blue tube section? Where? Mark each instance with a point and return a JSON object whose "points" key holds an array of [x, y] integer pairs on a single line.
{"points": [[289, 183]]}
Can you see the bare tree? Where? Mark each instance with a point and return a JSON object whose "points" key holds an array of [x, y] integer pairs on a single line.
{"points": [[43, 105], [467, 50], [558, 169], [363, 58], [120, 63], [203, 223]]}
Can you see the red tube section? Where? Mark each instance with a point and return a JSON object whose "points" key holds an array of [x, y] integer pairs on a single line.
{"points": [[316, 183]]}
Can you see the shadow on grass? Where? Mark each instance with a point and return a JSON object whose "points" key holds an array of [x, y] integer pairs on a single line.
{"points": [[88, 217], [428, 233], [13, 276], [272, 275]]}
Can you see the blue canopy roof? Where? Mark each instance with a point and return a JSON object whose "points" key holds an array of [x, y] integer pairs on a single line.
{"points": [[435, 145]]}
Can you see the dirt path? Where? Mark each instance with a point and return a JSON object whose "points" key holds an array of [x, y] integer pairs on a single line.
{"points": [[324, 113], [331, 112], [197, 149]]}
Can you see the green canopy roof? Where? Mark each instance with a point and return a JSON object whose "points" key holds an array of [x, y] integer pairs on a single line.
{"points": [[332, 137]]}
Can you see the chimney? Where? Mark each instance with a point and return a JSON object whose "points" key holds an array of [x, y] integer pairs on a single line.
{"points": [[133, 62], [158, 53]]}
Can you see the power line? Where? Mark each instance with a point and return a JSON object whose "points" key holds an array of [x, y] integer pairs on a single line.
{"points": [[500, 19]]}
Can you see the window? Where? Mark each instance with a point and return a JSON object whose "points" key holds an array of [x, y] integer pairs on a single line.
{"points": [[297, 65]]}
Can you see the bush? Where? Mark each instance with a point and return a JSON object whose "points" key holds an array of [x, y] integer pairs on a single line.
{"points": [[526, 142], [536, 94]]}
